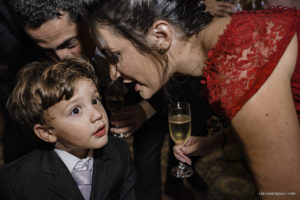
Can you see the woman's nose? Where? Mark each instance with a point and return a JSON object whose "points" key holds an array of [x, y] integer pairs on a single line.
{"points": [[114, 73]]}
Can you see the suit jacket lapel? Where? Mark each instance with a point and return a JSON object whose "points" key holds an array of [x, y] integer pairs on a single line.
{"points": [[101, 174], [62, 182]]}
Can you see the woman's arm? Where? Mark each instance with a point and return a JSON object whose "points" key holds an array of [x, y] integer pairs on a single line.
{"points": [[269, 131]]}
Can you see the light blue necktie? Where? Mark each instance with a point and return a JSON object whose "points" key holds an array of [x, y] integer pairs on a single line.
{"points": [[83, 177]]}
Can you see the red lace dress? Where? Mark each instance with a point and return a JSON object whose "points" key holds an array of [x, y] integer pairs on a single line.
{"points": [[245, 56]]}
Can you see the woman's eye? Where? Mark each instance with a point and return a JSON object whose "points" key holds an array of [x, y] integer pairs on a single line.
{"points": [[112, 57], [116, 57], [75, 111]]}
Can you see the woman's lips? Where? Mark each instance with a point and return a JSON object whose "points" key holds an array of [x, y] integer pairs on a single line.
{"points": [[101, 132]]}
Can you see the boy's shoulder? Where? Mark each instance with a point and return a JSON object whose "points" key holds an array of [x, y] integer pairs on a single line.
{"points": [[117, 143], [33, 155], [116, 147], [29, 163]]}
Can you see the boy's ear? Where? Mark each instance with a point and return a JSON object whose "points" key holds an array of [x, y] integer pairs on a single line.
{"points": [[160, 35], [44, 133]]}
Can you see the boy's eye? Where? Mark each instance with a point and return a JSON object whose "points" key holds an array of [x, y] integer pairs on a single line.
{"points": [[96, 100], [75, 111]]}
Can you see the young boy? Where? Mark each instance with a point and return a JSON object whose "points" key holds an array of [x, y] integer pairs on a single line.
{"points": [[61, 104]]}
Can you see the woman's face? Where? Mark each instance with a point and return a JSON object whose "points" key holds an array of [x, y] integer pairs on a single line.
{"points": [[133, 65]]}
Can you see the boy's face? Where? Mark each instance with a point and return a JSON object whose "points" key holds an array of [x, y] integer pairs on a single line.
{"points": [[81, 122]]}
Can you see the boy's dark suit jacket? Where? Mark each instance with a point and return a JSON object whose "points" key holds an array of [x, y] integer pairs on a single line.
{"points": [[42, 175]]}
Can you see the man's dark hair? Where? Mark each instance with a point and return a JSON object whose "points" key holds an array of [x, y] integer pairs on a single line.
{"points": [[33, 13]]}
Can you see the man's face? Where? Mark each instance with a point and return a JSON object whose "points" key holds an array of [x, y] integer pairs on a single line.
{"points": [[63, 37]]}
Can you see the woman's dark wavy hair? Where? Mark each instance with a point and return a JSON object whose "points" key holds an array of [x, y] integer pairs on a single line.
{"points": [[133, 18], [33, 13]]}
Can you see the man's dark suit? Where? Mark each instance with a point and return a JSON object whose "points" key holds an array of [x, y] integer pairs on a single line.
{"points": [[42, 175]]}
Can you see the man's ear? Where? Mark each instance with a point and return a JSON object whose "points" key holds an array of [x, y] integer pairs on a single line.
{"points": [[160, 35], [44, 133]]}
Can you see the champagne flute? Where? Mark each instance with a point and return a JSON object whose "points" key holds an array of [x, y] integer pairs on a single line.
{"points": [[180, 130], [114, 99]]}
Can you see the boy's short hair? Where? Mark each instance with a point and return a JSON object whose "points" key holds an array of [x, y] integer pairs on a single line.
{"points": [[41, 85]]}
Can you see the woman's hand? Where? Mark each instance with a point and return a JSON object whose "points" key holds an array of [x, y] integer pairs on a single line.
{"points": [[197, 146]]}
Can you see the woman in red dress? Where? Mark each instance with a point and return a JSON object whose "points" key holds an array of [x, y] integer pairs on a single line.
{"points": [[250, 61]]}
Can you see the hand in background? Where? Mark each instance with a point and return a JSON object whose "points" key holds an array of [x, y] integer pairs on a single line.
{"points": [[219, 8], [197, 146], [128, 120]]}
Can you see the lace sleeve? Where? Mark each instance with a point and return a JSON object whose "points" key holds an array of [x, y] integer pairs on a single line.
{"points": [[245, 56]]}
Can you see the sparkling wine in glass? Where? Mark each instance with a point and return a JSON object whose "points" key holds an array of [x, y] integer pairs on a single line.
{"points": [[180, 130], [114, 99]]}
